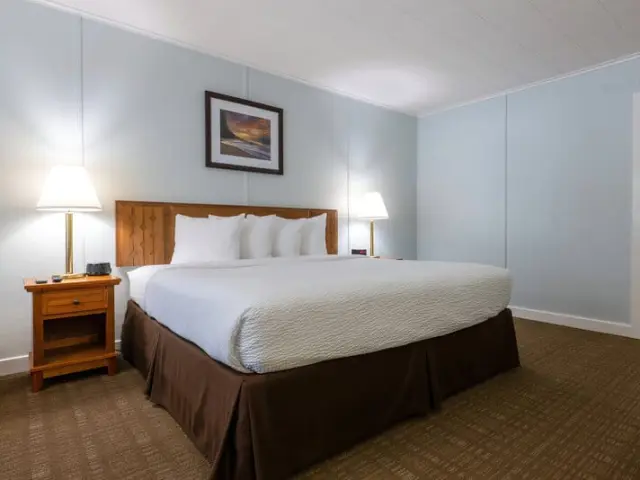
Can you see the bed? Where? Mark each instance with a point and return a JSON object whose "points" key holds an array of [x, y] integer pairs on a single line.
{"points": [[260, 406]]}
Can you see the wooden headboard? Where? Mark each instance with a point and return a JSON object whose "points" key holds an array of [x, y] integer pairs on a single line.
{"points": [[145, 230]]}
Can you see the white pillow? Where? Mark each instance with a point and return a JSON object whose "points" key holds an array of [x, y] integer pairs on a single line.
{"points": [[313, 233], [216, 217], [206, 239], [256, 237], [287, 237]]}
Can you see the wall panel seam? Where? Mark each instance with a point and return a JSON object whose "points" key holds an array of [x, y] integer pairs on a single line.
{"points": [[506, 181]]}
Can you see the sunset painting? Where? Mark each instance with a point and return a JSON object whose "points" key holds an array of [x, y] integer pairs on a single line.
{"points": [[243, 135]]}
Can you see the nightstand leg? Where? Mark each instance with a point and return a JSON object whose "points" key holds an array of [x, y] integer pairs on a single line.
{"points": [[112, 366], [36, 381]]}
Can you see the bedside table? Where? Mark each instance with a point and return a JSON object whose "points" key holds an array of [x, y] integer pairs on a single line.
{"points": [[73, 327]]}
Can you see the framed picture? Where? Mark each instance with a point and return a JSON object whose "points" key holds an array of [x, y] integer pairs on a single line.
{"points": [[243, 135]]}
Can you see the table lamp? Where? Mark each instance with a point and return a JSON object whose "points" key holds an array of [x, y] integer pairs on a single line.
{"points": [[372, 208], [69, 189]]}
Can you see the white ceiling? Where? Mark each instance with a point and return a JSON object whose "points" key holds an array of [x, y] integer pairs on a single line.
{"points": [[411, 55]]}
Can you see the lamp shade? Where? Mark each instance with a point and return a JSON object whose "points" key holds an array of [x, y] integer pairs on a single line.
{"points": [[69, 188], [372, 207]]}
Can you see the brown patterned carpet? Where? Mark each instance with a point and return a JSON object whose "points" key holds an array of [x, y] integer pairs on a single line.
{"points": [[572, 411]]}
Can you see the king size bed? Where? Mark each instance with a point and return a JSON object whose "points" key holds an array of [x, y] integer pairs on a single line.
{"points": [[271, 365]]}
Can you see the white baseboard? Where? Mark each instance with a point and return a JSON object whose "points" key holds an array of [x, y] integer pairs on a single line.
{"points": [[583, 323], [9, 366], [12, 365]]}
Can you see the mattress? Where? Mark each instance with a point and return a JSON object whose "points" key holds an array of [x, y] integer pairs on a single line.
{"points": [[275, 314]]}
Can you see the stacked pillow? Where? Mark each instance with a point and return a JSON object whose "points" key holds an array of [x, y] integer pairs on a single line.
{"points": [[206, 239], [231, 238]]}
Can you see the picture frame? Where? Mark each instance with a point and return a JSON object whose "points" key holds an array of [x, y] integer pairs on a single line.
{"points": [[243, 135]]}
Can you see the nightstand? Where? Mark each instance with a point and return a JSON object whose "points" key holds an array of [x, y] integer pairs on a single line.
{"points": [[73, 327]]}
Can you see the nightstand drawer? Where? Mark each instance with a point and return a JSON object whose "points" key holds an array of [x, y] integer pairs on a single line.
{"points": [[70, 301]]}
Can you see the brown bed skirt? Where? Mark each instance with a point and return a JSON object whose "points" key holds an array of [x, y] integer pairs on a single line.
{"points": [[274, 425]]}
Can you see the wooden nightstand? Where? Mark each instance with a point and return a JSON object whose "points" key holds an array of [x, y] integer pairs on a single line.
{"points": [[73, 327]]}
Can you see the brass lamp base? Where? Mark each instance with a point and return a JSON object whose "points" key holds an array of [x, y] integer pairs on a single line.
{"points": [[71, 276], [68, 230], [371, 241]]}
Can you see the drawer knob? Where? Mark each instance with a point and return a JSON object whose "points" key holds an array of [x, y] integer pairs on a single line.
{"points": [[76, 301]]}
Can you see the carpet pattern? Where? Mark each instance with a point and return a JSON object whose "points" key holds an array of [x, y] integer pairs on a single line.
{"points": [[571, 412]]}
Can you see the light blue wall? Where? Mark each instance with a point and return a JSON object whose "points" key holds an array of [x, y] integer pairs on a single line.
{"points": [[461, 178], [144, 127], [569, 190], [567, 196], [39, 88], [377, 140]]}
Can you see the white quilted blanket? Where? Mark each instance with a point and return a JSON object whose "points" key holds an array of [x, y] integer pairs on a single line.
{"points": [[274, 314]]}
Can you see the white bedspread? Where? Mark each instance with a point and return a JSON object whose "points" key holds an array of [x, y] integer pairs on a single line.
{"points": [[273, 314]]}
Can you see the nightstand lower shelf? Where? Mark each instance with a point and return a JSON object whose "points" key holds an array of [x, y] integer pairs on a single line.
{"points": [[71, 360], [91, 338], [74, 354]]}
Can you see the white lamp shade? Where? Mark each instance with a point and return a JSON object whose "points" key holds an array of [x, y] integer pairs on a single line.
{"points": [[69, 188], [372, 207]]}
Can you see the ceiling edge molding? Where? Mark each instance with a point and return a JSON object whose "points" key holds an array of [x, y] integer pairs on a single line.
{"points": [[211, 53], [504, 93]]}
